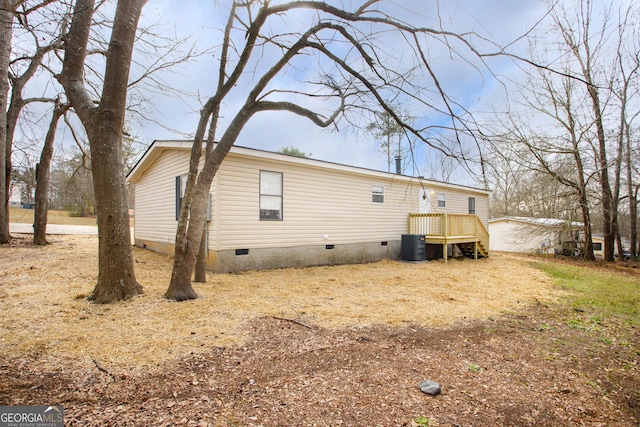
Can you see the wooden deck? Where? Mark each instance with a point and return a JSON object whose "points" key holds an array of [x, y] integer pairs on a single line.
{"points": [[465, 231]]}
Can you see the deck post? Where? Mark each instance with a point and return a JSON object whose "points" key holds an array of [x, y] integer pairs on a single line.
{"points": [[475, 250], [445, 226], [445, 234]]}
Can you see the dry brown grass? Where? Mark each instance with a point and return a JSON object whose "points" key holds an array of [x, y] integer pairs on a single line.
{"points": [[25, 216], [44, 310]]}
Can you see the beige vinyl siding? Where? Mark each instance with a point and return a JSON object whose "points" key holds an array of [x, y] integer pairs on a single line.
{"points": [[316, 203], [155, 213], [215, 209], [323, 203], [482, 208], [457, 201]]}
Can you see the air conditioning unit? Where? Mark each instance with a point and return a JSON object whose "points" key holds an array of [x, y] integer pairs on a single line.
{"points": [[413, 247]]}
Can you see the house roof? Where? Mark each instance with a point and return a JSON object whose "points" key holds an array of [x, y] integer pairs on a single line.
{"points": [[159, 146], [542, 222]]}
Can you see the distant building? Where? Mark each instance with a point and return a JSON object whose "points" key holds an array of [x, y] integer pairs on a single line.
{"points": [[15, 195], [533, 235], [598, 245]]}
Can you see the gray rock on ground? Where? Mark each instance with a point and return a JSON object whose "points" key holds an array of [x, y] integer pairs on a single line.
{"points": [[430, 387]]}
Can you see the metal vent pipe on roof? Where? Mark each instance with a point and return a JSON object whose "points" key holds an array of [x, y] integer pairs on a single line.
{"points": [[398, 165]]}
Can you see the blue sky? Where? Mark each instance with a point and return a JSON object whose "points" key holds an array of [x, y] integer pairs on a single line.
{"points": [[498, 20]]}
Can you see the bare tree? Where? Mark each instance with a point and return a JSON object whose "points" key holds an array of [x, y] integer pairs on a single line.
{"points": [[587, 48], [362, 76], [71, 183], [11, 10], [43, 176], [506, 179], [104, 125], [632, 159], [17, 103], [7, 10], [580, 110], [555, 150], [626, 90]]}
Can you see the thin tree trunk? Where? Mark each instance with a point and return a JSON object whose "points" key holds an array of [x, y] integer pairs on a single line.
{"points": [[633, 202], [193, 212], [583, 54], [582, 188], [184, 259], [188, 244], [16, 104], [633, 195], [608, 205], [43, 175], [200, 275], [586, 220], [6, 22]]}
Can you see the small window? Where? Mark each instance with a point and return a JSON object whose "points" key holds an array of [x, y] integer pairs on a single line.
{"points": [[472, 205], [377, 194], [270, 196], [442, 200], [597, 246], [181, 187]]}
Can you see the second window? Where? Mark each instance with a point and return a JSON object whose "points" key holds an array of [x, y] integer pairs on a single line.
{"points": [[270, 196]]}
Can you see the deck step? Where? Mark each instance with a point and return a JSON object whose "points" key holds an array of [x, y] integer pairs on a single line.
{"points": [[468, 248]]}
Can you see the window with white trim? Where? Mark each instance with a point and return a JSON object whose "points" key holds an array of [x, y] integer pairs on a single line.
{"points": [[442, 200], [270, 196], [377, 194]]}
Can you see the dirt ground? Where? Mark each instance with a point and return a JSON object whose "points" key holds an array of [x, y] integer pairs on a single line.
{"points": [[323, 346]]}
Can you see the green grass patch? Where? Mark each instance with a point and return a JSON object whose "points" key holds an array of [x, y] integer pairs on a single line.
{"points": [[421, 421], [600, 294], [475, 368]]}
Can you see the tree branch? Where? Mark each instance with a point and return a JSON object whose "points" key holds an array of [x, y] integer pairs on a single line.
{"points": [[301, 111]]}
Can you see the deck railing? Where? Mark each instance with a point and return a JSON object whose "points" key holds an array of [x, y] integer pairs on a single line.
{"points": [[449, 226]]}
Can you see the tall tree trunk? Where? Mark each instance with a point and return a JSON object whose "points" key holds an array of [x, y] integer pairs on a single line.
{"points": [[632, 193], [43, 175], [6, 32], [579, 39], [608, 217], [116, 279], [633, 210], [582, 186], [104, 125]]}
